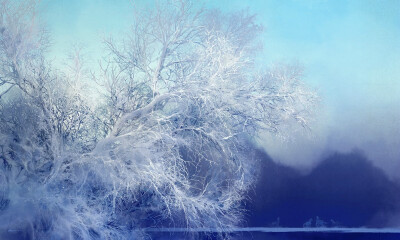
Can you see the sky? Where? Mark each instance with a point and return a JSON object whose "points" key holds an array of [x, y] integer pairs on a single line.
{"points": [[350, 51]]}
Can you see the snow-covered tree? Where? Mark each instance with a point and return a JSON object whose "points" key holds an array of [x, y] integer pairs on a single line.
{"points": [[182, 98], [188, 94]]}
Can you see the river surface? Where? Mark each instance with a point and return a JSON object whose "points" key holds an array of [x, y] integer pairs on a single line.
{"points": [[254, 234], [283, 234]]}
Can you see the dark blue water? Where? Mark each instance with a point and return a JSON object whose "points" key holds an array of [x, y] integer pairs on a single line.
{"points": [[260, 234], [284, 236], [320, 236]]}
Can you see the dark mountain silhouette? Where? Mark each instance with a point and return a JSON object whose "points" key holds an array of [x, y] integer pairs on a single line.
{"points": [[346, 188]]}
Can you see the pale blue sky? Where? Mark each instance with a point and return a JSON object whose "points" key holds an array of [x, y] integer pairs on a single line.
{"points": [[350, 51]]}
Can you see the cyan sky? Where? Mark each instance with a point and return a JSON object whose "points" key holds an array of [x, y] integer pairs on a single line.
{"points": [[350, 51]]}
